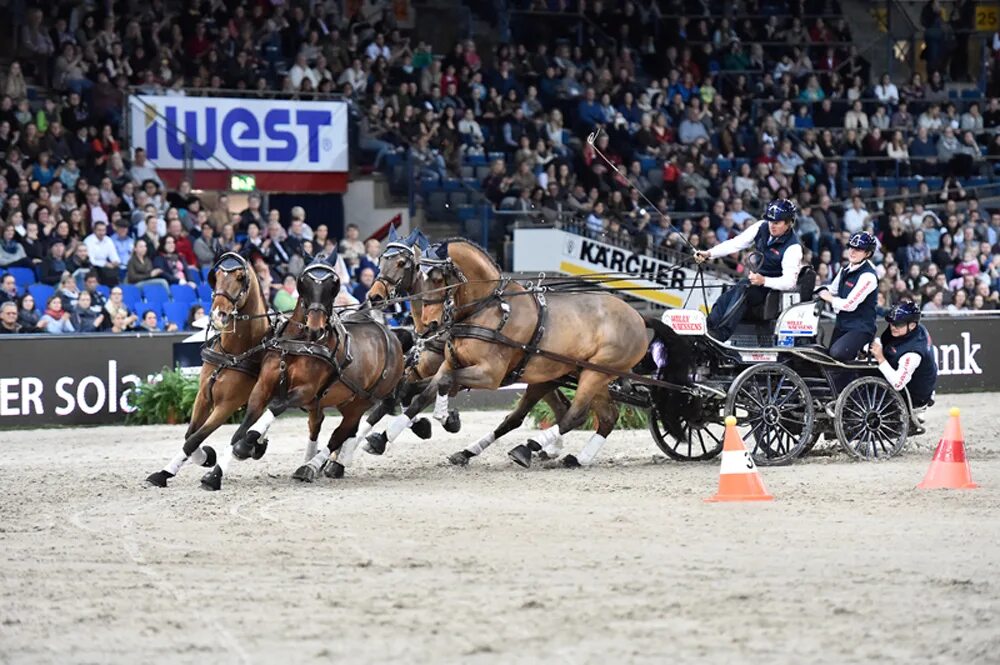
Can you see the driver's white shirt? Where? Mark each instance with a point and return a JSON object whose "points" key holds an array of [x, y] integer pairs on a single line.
{"points": [[790, 262]]}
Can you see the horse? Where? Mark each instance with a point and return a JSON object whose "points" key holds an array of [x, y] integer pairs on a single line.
{"points": [[499, 332], [327, 361], [399, 274], [231, 361]]}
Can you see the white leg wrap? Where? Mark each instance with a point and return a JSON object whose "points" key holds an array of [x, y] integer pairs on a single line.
{"points": [[481, 445], [263, 423], [397, 426], [317, 460], [551, 441], [177, 462], [198, 456], [346, 454], [363, 429], [311, 449], [590, 450], [225, 457], [441, 408]]}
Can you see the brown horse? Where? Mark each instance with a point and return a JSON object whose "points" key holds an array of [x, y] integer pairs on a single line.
{"points": [[399, 275], [325, 362], [492, 320], [231, 360]]}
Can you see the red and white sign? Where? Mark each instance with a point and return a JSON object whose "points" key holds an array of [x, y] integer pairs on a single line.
{"points": [[685, 321]]}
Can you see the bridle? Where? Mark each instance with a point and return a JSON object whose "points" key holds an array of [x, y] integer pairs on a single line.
{"points": [[406, 276], [227, 263], [320, 273]]}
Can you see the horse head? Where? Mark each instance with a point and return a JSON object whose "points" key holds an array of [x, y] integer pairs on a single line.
{"points": [[318, 286], [397, 268], [231, 280], [455, 274]]}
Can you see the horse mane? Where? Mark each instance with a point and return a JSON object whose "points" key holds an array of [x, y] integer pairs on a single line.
{"points": [[475, 246]]}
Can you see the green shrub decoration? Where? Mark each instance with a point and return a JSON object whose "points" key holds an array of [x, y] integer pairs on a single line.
{"points": [[629, 417], [170, 400]]}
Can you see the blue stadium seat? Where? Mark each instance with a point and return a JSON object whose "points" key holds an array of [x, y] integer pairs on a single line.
{"points": [[131, 296], [183, 293], [176, 313], [647, 163], [204, 273], [475, 160], [155, 293], [193, 275], [204, 291], [207, 304], [972, 93], [41, 292], [104, 291], [23, 276]]}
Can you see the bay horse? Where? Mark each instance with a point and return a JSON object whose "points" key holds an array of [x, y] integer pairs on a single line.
{"points": [[494, 326], [325, 361], [399, 275], [231, 361]]}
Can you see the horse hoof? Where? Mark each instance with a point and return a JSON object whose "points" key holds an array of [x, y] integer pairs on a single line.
{"points": [[210, 457], [521, 455], [376, 442], [461, 458], [212, 481], [571, 462], [422, 428], [305, 473], [334, 470], [244, 448], [453, 423], [159, 479], [259, 449]]}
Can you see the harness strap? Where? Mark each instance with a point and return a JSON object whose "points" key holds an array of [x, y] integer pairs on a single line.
{"points": [[536, 337]]}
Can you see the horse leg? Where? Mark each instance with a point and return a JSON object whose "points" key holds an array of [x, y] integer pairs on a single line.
{"points": [[440, 383], [607, 416], [513, 420], [344, 440], [316, 417], [559, 404], [194, 453], [589, 385]]}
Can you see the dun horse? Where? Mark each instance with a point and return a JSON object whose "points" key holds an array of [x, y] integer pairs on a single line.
{"points": [[231, 361], [495, 325], [325, 362]]}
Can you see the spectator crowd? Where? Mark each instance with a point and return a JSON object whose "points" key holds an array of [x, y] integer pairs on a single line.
{"points": [[705, 110]]}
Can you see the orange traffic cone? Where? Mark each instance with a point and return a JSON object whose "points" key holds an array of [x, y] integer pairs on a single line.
{"points": [[738, 477], [949, 468]]}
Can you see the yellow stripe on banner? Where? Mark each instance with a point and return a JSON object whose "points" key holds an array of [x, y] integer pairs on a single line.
{"points": [[656, 296]]}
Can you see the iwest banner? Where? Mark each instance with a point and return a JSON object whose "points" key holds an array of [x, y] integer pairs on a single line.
{"points": [[279, 141], [48, 380]]}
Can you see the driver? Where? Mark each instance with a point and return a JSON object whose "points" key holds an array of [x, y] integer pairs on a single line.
{"points": [[905, 355], [775, 239], [853, 295]]}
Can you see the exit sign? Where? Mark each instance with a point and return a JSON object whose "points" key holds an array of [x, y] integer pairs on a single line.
{"points": [[242, 182]]}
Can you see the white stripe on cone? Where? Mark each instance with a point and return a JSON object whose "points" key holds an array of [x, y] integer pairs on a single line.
{"points": [[737, 461]]}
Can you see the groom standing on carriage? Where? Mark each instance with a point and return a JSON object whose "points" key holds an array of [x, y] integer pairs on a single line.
{"points": [[774, 238]]}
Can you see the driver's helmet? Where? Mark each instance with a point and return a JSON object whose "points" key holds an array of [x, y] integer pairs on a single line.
{"points": [[902, 313], [781, 210], [864, 241]]}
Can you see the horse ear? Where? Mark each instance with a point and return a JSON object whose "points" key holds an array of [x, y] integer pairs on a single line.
{"points": [[393, 236], [211, 278], [420, 240]]}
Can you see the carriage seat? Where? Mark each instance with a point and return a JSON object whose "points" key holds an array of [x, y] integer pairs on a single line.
{"points": [[771, 307]]}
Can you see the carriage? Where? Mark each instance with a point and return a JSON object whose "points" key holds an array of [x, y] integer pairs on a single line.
{"points": [[780, 384]]}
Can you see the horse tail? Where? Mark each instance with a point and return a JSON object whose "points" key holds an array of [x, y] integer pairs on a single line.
{"points": [[670, 358]]}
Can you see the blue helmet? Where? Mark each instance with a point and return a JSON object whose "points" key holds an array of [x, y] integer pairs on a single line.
{"points": [[781, 210], [864, 241], [903, 312]]}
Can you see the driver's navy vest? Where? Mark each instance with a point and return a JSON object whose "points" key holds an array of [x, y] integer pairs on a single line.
{"points": [[924, 380], [770, 266], [864, 315]]}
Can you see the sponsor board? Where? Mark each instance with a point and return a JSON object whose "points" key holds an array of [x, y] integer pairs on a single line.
{"points": [[241, 134], [85, 380], [649, 278], [686, 321]]}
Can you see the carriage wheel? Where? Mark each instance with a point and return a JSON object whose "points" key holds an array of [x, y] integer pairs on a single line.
{"points": [[871, 419], [774, 412], [703, 434]]}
